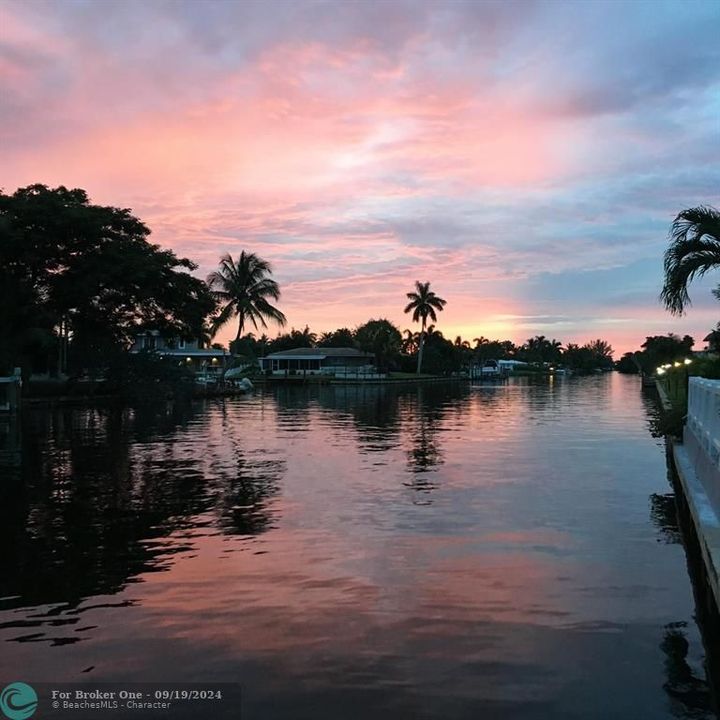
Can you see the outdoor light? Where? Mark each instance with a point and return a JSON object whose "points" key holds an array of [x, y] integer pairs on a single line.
{"points": [[660, 371], [677, 364], [687, 361], [188, 359]]}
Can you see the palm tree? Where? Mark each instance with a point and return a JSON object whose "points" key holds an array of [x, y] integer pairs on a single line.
{"points": [[423, 303], [694, 249], [539, 349], [508, 348], [304, 337], [601, 349], [243, 289], [432, 334], [481, 345]]}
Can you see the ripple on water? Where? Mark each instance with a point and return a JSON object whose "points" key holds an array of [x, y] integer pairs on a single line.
{"points": [[439, 551]]}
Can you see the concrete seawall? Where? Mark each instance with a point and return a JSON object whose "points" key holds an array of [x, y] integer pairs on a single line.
{"points": [[699, 477], [705, 518]]}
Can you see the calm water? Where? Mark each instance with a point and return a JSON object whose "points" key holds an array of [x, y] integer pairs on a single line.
{"points": [[344, 552]]}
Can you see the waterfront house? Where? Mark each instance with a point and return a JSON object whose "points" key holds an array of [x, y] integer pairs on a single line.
{"points": [[191, 353], [510, 365], [319, 361]]}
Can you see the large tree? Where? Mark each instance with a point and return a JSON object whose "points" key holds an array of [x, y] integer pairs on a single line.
{"points": [[381, 338], [86, 276], [660, 349], [694, 250], [423, 304], [244, 290]]}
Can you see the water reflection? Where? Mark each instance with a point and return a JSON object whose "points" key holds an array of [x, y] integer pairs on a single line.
{"points": [[351, 551], [689, 693], [425, 452], [94, 502], [690, 690], [663, 513], [373, 410]]}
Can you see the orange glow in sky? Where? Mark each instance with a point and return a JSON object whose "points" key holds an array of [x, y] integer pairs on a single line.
{"points": [[359, 148]]}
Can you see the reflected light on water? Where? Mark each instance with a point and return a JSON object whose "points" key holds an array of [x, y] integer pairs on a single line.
{"points": [[368, 551]]}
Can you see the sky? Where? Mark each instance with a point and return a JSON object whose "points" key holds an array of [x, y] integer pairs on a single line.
{"points": [[526, 158]]}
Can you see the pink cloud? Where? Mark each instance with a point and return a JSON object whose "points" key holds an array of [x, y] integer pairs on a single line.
{"points": [[355, 167]]}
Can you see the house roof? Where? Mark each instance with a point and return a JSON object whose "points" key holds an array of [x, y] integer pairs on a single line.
{"points": [[318, 353]]}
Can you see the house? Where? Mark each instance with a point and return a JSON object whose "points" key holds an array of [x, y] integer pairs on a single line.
{"points": [[191, 353], [319, 361], [511, 365]]}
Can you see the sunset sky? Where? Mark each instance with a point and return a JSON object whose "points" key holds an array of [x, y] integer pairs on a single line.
{"points": [[527, 158]]}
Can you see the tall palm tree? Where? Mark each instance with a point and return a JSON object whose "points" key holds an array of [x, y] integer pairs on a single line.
{"points": [[423, 303], [694, 249], [243, 289]]}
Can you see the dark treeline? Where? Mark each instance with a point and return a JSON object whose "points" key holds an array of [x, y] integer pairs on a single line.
{"points": [[79, 281], [397, 350], [662, 350]]}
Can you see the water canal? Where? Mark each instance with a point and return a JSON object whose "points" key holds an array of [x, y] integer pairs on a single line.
{"points": [[345, 552]]}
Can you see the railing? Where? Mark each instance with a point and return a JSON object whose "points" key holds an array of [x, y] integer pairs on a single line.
{"points": [[704, 416], [362, 372]]}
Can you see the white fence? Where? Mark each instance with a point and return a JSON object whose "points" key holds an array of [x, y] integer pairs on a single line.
{"points": [[704, 415], [702, 434]]}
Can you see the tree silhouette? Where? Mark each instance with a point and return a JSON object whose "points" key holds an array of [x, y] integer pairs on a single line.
{"points": [[694, 250], [243, 289], [381, 338], [423, 304], [79, 280], [540, 349], [340, 338]]}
